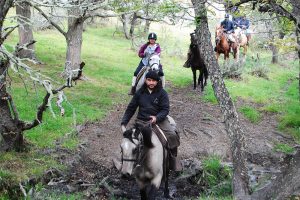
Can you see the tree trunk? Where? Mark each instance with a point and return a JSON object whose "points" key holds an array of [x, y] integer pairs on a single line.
{"points": [[10, 134], [147, 26], [298, 44], [133, 24], [273, 47], [25, 32], [125, 22], [74, 41], [232, 124]]}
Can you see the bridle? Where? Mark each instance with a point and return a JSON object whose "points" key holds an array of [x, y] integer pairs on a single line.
{"points": [[153, 63], [135, 160]]}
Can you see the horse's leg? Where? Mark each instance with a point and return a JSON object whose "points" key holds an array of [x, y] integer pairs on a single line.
{"points": [[194, 77], [217, 56], [201, 79]]}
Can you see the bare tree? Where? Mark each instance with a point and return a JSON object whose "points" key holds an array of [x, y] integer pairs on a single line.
{"points": [[11, 126]]}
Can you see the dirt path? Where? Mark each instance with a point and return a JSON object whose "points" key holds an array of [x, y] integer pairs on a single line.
{"points": [[202, 133]]}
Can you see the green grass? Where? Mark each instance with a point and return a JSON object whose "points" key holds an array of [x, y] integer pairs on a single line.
{"points": [[284, 148], [277, 94], [250, 113], [215, 178]]}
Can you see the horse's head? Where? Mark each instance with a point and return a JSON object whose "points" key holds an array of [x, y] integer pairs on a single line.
{"points": [[219, 34], [130, 151], [154, 61]]}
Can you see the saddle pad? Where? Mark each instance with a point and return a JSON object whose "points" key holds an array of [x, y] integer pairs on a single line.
{"points": [[140, 74]]}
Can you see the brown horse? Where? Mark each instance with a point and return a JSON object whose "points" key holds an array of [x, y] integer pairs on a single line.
{"points": [[223, 46]]}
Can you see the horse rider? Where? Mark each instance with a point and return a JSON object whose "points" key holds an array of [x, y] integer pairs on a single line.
{"points": [[228, 27], [145, 51], [244, 24], [154, 105]]}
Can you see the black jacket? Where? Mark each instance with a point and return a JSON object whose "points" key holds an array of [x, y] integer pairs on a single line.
{"points": [[155, 104]]}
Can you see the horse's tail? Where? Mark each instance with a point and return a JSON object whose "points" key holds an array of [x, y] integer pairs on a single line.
{"points": [[147, 134]]}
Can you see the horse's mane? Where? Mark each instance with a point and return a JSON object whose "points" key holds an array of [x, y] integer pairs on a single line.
{"points": [[147, 134], [128, 134]]}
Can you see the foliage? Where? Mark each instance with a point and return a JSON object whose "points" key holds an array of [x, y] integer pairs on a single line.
{"points": [[215, 178], [250, 113], [284, 148]]}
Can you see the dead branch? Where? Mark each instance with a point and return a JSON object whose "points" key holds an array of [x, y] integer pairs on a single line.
{"points": [[43, 107]]}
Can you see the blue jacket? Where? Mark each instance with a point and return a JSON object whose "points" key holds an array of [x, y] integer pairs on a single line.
{"points": [[228, 26], [243, 23], [154, 104]]}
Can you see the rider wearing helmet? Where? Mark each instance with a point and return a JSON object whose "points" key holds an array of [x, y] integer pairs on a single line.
{"points": [[145, 51], [228, 27], [244, 24]]}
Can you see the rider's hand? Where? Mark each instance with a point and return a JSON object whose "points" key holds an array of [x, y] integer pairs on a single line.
{"points": [[146, 54], [153, 119], [123, 127]]}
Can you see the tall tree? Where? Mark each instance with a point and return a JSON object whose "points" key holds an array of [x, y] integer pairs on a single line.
{"points": [[232, 124], [26, 42]]}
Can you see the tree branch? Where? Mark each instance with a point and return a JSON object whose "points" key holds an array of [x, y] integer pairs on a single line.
{"points": [[48, 19], [43, 107]]}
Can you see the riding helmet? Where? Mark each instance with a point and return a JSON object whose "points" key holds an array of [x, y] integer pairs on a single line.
{"points": [[153, 75], [152, 36]]}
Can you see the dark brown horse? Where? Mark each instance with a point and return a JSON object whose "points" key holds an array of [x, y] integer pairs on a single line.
{"points": [[223, 46], [196, 62]]}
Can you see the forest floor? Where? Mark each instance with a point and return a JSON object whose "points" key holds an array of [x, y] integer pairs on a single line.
{"points": [[202, 132]]}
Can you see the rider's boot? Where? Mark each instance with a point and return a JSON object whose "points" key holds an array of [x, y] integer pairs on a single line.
{"points": [[163, 81], [175, 164], [133, 87]]}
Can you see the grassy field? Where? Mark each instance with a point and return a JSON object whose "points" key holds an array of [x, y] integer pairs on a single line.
{"points": [[110, 63]]}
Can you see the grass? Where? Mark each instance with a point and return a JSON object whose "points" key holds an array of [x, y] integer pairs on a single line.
{"points": [[215, 178], [278, 93], [284, 148], [250, 113]]}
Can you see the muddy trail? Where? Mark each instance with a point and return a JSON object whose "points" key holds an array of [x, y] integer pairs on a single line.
{"points": [[202, 133]]}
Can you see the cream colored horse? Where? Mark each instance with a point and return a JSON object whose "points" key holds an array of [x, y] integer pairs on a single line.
{"points": [[242, 39]]}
